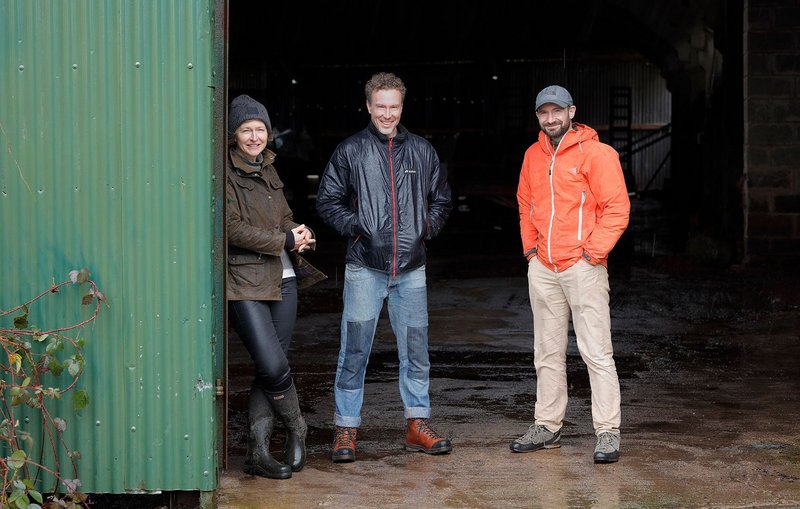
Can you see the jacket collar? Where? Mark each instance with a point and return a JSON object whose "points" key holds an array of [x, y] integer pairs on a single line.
{"points": [[400, 137], [578, 134], [243, 165]]}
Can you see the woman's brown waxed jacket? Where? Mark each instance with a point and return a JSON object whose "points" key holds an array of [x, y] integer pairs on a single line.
{"points": [[257, 219]]}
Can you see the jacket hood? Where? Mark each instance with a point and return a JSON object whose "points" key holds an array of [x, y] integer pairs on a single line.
{"points": [[579, 133]]}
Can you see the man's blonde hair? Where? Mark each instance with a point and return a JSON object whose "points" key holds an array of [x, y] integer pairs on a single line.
{"points": [[384, 81]]}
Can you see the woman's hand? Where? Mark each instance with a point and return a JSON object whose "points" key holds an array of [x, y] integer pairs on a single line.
{"points": [[303, 241]]}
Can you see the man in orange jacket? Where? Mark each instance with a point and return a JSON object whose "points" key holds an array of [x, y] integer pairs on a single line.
{"points": [[573, 207]]}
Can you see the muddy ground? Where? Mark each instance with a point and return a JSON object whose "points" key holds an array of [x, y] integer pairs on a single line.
{"points": [[709, 364]]}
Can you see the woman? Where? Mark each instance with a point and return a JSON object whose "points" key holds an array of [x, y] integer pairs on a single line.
{"points": [[264, 273]]}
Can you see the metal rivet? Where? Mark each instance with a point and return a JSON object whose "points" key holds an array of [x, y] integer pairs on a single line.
{"points": [[74, 66], [97, 423], [21, 67], [133, 429], [138, 64], [190, 66]]}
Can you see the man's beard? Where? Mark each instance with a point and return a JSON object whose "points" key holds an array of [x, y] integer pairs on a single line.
{"points": [[558, 134]]}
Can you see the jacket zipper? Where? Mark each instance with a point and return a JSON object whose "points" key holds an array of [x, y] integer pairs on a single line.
{"points": [[580, 216], [394, 211], [552, 206]]}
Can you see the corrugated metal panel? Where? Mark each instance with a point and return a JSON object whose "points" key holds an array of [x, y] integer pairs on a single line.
{"points": [[107, 162]]}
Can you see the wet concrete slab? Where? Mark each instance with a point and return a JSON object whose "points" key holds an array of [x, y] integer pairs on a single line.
{"points": [[709, 364]]}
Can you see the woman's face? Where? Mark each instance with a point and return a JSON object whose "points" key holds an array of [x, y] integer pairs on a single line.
{"points": [[251, 138]]}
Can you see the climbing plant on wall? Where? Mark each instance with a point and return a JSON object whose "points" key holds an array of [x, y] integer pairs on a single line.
{"points": [[37, 368]]}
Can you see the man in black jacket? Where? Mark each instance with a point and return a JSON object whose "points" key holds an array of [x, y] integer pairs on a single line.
{"points": [[383, 188]]}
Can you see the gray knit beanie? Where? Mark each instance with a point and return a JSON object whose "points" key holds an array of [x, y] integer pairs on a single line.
{"points": [[245, 108]]}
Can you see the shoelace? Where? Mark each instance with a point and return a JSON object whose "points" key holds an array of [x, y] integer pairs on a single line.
{"points": [[605, 441], [535, 434], [424, 428], [344, 437]]}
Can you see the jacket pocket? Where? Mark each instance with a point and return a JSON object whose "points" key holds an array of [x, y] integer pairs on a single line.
{"points": [[246, 270], [244, 182]]}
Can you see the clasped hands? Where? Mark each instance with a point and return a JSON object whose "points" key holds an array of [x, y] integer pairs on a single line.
{"points": [[303, 241]]}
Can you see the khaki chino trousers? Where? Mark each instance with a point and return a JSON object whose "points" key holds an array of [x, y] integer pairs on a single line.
{"points": [[581, 291]]}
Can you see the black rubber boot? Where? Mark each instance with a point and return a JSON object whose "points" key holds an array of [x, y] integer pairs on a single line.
{"points": [[262, 420], [287, 407]]}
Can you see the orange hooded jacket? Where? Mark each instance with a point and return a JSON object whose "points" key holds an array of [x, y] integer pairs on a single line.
{"points": [[572, 200]]}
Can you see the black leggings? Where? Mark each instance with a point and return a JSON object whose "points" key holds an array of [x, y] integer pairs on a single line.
{"points": [[265, 327]]}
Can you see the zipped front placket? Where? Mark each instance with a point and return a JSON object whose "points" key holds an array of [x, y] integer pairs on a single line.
{"points": [[552, 206], [394, 211], [580, 215]]}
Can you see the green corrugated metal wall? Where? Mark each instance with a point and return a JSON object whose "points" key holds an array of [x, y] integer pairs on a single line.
{"points": [[108, 117]]}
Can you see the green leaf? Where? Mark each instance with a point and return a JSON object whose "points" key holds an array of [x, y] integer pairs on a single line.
{"points": [[15, 495], [80, 399], [80, 342], [40, 337], [26, 382], [36, 496], [17, 460], [21, 321], [73, 366], [55, 345], [22, 501], [56, 367], [21, 398]]}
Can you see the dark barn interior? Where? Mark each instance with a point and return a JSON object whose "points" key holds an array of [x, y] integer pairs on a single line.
{"points": [[660, 81], [699, 97]]}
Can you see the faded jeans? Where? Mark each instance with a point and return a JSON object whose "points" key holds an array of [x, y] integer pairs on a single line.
{"points": [[365, 290], [583, 292]]}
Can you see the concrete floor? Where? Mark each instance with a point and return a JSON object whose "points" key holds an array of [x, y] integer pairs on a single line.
{"points": [[709, 364]]}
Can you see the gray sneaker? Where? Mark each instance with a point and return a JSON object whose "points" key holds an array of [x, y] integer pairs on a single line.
{"points": [[607, 448], [537, 437]]}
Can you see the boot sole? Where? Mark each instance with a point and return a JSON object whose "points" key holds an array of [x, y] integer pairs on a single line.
{"points": [[548, 446], [417, 448], [344, 458], [606, 460], [251, 470]]}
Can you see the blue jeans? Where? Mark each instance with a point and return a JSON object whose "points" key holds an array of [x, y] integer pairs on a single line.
{"points": [[364, 293]]}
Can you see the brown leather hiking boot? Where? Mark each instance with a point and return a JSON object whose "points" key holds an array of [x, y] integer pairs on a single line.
{"points": [[420, 437], [344, 444]]}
